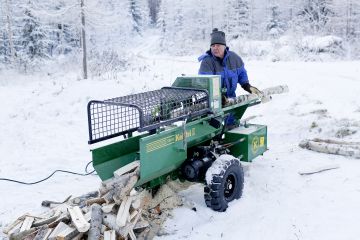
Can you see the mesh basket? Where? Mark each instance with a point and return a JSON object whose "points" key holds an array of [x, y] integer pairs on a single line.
{"points": [[144, 111]]}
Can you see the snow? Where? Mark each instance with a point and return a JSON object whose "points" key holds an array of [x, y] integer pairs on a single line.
{"points": [[43, 127]]}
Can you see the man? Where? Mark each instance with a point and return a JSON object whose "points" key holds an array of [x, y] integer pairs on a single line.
{"points": [[220, 61]]}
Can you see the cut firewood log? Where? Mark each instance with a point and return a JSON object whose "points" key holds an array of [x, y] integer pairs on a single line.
{"points": [[43, 233], [132, 215], [78, 219], [136, 203], [127, 168], [123, 212], [125, 191], [132, 235], [63, 232], [48, 203], [64, 217], [95, 223], [27, 224], [79, 236], [110, 235], [124, 231], [116, 182], [98, 200], [141, 225], [82, 199], [109, 196], [51, 219], [11, 228], [23, 234], [108, 208]]}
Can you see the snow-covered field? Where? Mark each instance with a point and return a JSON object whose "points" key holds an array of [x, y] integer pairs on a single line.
{"points": [[43, 127]]}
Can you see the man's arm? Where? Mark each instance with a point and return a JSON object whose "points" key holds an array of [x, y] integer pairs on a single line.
{"points": [[206, 68]]}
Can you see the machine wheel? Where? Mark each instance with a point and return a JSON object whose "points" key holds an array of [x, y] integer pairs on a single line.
{"points": [[225, 182]]}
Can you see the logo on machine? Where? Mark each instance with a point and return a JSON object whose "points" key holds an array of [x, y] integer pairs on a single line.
{"points": [[257, 143], [180, 136]]}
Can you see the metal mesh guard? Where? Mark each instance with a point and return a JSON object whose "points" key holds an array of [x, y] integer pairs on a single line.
{"points": [[144, 111]]}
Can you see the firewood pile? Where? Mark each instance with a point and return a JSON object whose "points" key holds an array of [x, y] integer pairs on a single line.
{"points": [[115, 211]]}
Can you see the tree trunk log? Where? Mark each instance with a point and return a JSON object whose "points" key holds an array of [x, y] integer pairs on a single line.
{"points": [[95, 224]]}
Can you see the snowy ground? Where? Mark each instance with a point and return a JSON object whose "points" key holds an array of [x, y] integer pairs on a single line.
{"points": [[43, 127]]}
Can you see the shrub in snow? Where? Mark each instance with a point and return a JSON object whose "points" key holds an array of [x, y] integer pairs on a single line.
{"points": [[331, 45]]}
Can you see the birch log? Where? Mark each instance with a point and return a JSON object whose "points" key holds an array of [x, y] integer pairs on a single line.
{"points": [[95, 223], [331, 148]]}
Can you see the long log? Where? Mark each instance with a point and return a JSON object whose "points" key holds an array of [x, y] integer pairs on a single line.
{"points": [[338, 149], [46, 220], [95, 223]]}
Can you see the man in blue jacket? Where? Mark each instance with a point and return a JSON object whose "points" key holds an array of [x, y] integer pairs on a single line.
{"points": [[219, 60]]}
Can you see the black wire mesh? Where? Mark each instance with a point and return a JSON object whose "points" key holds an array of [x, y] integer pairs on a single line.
{"points": [[144, 111]]}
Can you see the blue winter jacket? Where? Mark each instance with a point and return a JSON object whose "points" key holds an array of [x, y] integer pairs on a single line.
{"points": [[231, 68]]}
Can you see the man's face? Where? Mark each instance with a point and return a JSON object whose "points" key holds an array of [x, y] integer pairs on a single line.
{"points": [[218, 50]]}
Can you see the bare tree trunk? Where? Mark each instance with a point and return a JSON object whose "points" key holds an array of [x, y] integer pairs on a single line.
{"points": [[83, 36], [8, 16]]}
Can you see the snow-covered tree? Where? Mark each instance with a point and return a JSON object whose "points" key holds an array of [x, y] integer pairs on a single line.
{"points": [[33, 37], [237, 18], [136, 16], [154, 8], [315, 15], [275, 26]]}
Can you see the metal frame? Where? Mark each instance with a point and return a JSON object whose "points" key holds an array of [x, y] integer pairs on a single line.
{"points": [[106, 118]]}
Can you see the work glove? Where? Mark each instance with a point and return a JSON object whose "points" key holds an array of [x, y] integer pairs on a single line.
{"points": [[256, 91]]}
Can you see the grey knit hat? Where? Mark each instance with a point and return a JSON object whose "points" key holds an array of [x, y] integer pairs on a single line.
{"points": [[217, 37]]}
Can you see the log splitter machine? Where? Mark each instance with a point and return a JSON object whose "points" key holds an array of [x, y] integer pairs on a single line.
{"points": [[179, 132]]}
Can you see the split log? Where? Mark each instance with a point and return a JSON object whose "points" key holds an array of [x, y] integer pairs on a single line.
{"points": [[82, 199], [27, 224], [132, 235], [98, 200], [116, 182], [41, 222], [123, 212], [130, 226], [13, 226], [43, 233], [125, 191], [338, 149], [78, 237], [141, 225], [48, 203], [110, 235], [95, 224], [23, 234], [62, 218], [78, 219], [108, 208], [127, 168], [63, 232]]}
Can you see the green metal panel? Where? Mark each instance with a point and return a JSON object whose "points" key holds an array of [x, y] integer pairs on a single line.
{"points": [[254, 144], [211, 83], [164, 152], [109, 158]]}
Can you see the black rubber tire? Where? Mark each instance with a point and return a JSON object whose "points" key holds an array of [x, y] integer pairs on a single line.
{"points": [[225, 186]]}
